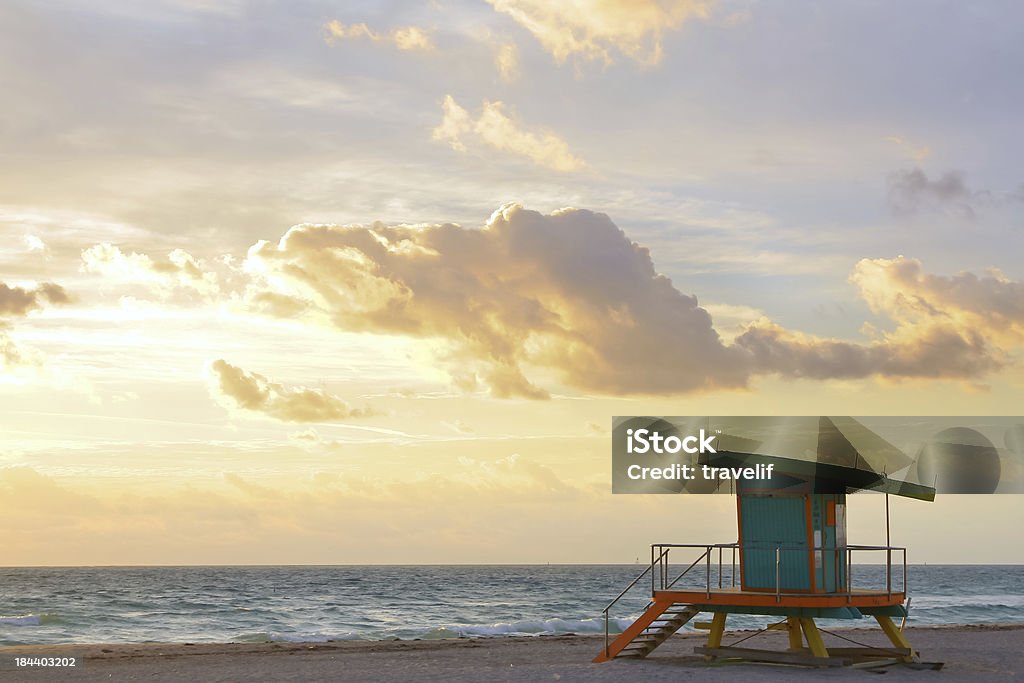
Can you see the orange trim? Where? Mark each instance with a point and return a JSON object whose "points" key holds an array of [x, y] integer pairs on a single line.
{"points": [[739, 541], [830, 518], [748, 599]]}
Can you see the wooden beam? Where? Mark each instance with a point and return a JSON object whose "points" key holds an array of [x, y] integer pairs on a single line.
{"points": [[814, 640], [773, 656], [895, 635], [795, 639]]}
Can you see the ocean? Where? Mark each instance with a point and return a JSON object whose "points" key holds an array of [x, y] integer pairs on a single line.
{"points": [[256, 604]]}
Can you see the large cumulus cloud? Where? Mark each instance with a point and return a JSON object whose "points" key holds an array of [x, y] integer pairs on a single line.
{"points": [[532, 302], [566, 294]]}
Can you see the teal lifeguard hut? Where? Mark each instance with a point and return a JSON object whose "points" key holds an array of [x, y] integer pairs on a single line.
{"points": [[791, 559]]}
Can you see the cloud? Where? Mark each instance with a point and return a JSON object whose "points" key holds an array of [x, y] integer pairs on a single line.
{"points": [[506, 59], [595, 29], [254, 392], [18, 301], [178, 271], [911, 190], [945, 326], [565, 294], [934, 351], [404, 37], [34, 244], [532, 301], [496, 129], [900, 289]]}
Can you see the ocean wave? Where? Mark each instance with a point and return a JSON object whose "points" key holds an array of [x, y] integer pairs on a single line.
{"points": [[29, 620]]}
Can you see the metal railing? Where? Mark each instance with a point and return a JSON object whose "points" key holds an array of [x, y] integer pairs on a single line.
{"points": [[660, 569], [840, 556]]}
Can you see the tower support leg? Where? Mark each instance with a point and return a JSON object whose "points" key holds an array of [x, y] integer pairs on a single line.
{"points": [[717, 631], [813, 636], [896, 636], [795, 639]]}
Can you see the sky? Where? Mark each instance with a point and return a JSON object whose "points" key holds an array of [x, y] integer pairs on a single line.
{"points": [[365, 282]]}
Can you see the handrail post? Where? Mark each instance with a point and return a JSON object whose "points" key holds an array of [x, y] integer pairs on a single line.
{"points": [[734, 565], [708, 553], [849, 574], [652, 572], [778, 585], [606, 633], [888, 571], [904, 571], [719, 567]]}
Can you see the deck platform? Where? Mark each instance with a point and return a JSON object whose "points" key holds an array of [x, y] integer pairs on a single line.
{"points": [[741, 598]]}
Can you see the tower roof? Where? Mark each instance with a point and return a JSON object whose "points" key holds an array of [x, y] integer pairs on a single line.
{"points": [[836, 453]]}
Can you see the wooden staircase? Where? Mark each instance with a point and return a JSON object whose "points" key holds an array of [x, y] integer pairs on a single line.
{"points": [[651, 629]]}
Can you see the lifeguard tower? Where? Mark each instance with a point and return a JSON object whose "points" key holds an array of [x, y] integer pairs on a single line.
{"points": [[792, 554]]}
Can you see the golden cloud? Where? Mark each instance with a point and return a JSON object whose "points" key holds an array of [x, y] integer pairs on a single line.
{"points": [[495, 128], [899, 288], [532, 299], [945, 326], [179, 270], [404, 37], [506, 59], [254, 392], [565, 294], [594, 29]]}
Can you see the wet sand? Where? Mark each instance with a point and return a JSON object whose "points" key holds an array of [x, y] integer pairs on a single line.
{"points": [[970, 653]]}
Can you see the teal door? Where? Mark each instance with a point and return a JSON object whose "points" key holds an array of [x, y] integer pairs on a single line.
{"points": [[829, 521], [767, 523]]}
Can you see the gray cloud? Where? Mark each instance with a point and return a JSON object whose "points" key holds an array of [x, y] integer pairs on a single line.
{"points": [[18, 301], [911, 190]]}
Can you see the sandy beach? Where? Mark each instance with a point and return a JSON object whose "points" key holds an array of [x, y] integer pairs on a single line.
{"points": [[970, 653]]}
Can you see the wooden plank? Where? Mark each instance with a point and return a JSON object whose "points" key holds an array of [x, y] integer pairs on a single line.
{"points": [[773, 656], [869, 651]]}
